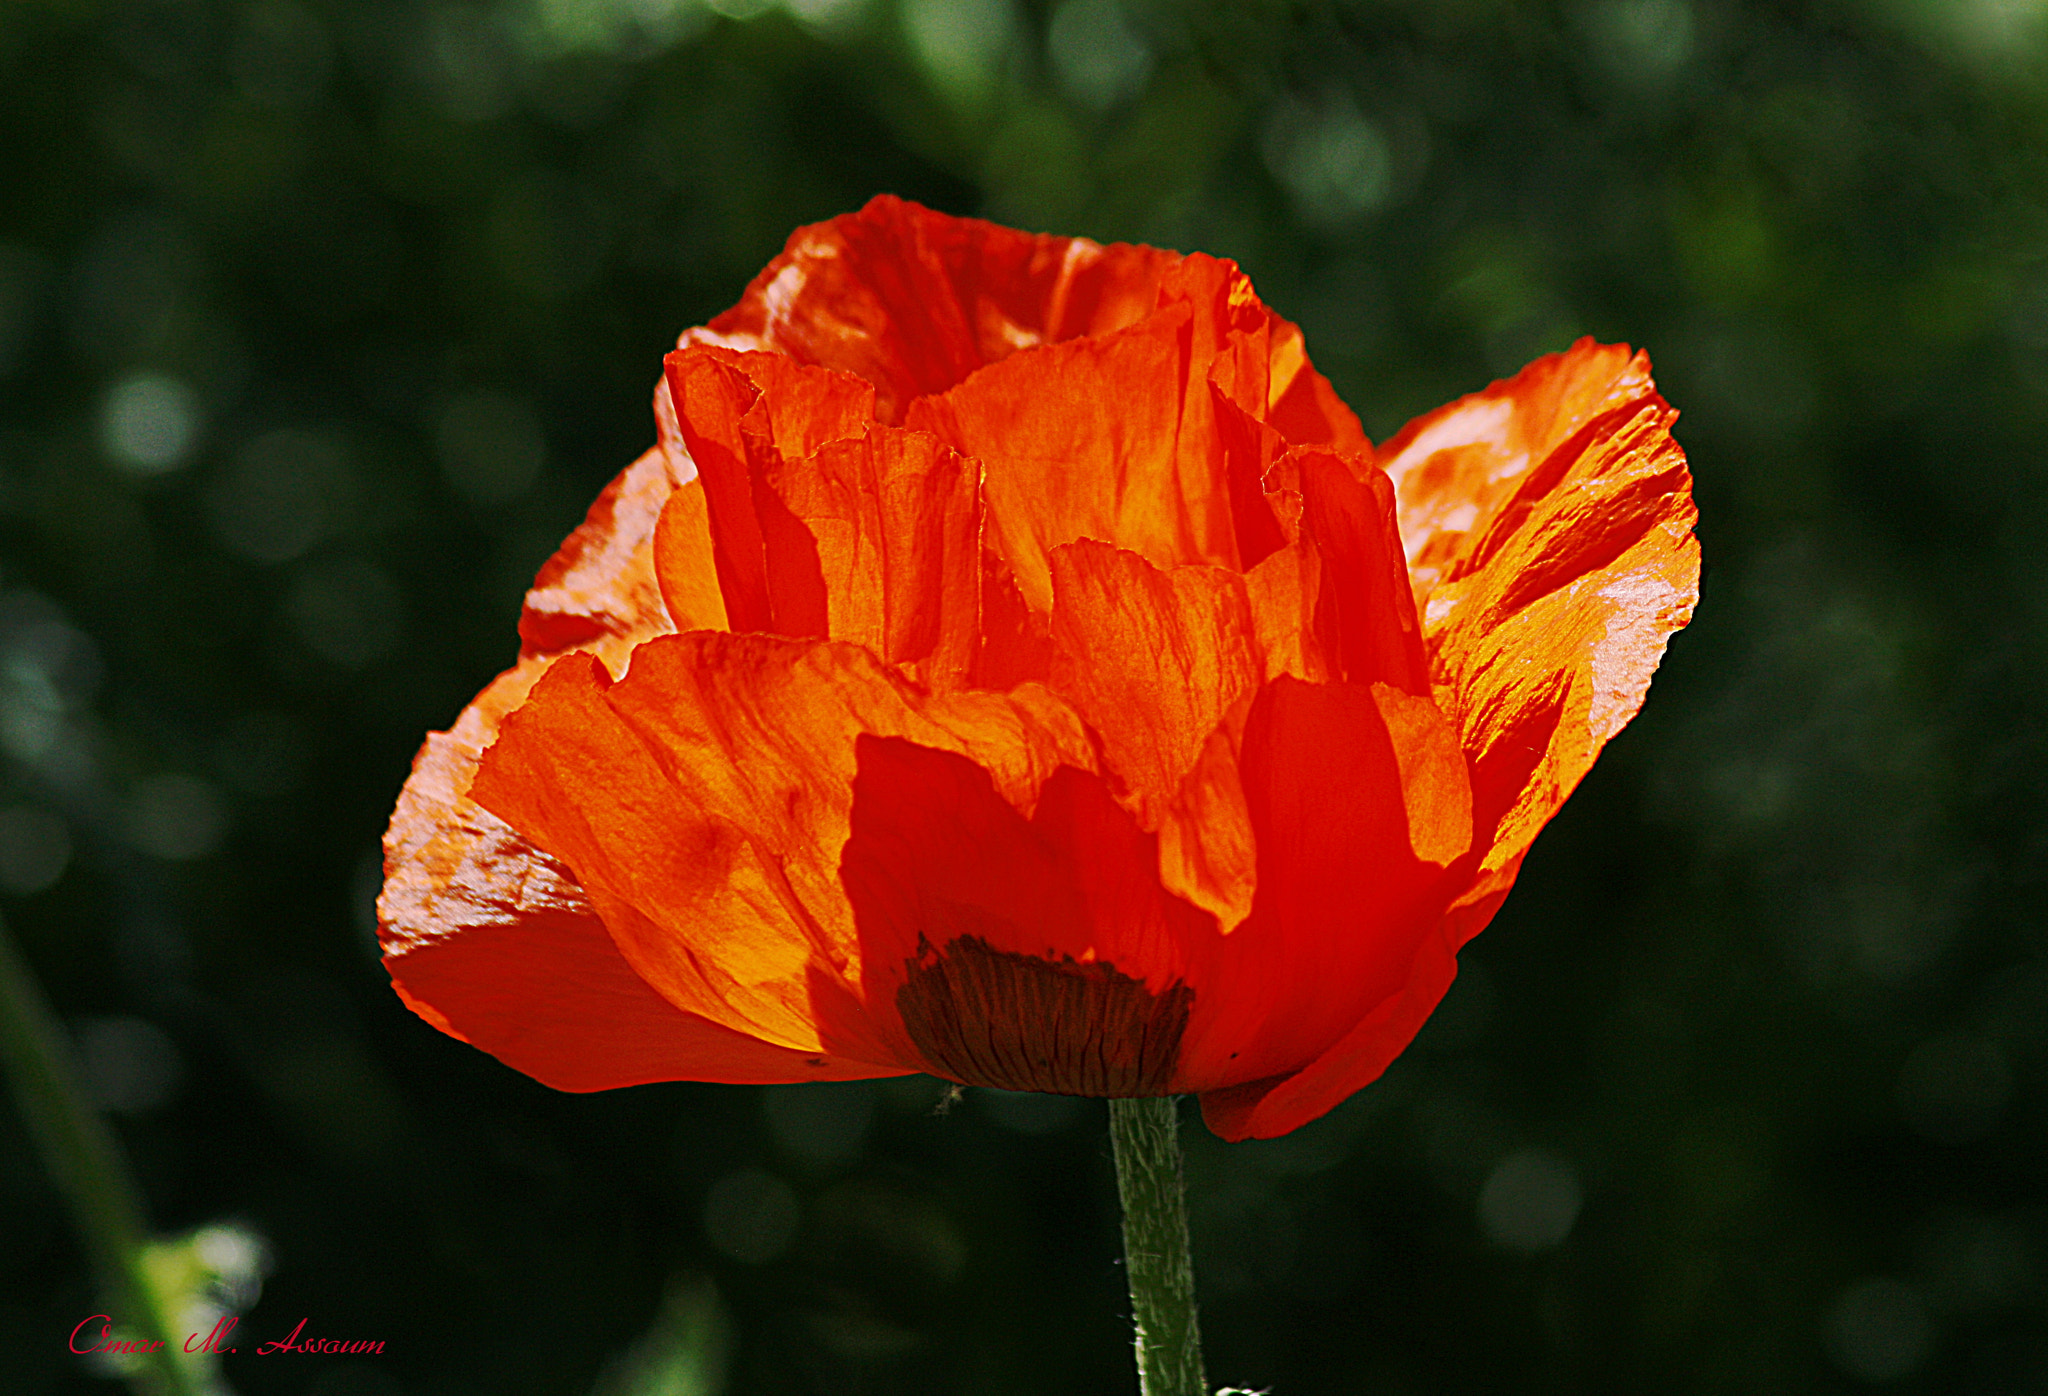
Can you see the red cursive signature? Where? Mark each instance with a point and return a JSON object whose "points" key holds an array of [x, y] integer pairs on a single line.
{"points": [[215, 1341], [107, 1341], [292, 1342]]}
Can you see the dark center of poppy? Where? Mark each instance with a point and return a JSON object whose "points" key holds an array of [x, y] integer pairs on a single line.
{"points": [[990, 1017]]}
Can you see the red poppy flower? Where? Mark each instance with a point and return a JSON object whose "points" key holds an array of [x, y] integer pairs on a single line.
{"points": [[1015, 664]]}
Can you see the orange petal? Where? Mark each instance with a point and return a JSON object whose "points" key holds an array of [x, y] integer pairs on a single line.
{"points": [[1276, 1106], [894, 523], [1364, 600], [1152, 659], [914, 301], [1033, 953], [1249, 448], [684, 567], [493, 942], [1208, 850], [741, 416], [1333, 602], [826, 524], [1360, 805], [1157, 662], [703, 801], [1258, 361], [548, 993], [1453, 467], [1549, 527], [1085, 439], [1301, 404], [1150, 438], [1231, 335], [600, 583], [1016, 641], [449, 865], [471, 913], [800, 408], [1284, 590], [710, 398]]}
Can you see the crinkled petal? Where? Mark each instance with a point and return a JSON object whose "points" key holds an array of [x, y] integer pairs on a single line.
{"points": [[1016, 641], [600, 584], [896, 520], [1237, 347], [1332, 602], [449, 865], [1250, 448], [1148, 438], [1157, 661], [1548, 522], [742, 416], [1546, 525], [493, 942], [488, 938], [703, 801], [1302, 405], [914, 301], [1453, 467], [1285, 590], [1117, 727], [1364, 601], [825, 523], [547, 993], [1084, 439], [1152, 658], [1208, 850]]}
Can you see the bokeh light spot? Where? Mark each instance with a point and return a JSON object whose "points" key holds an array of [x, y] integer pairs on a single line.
{"points": [[47, 668], [1879, 1330], [1643, 41], [283, 493], [1099, 58], [961, 43], [149, 423], [828, 17], [1337, 165], [1531, 1201]]}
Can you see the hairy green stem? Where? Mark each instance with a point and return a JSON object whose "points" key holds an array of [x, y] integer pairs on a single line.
{"points": [[85, 1162], [1145, 1133]]}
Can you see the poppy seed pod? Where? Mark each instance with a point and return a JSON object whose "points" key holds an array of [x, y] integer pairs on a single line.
{"points": [[1014, 663]]}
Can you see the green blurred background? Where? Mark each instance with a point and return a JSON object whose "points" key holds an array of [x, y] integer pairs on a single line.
{"points": [[322, 322]]}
